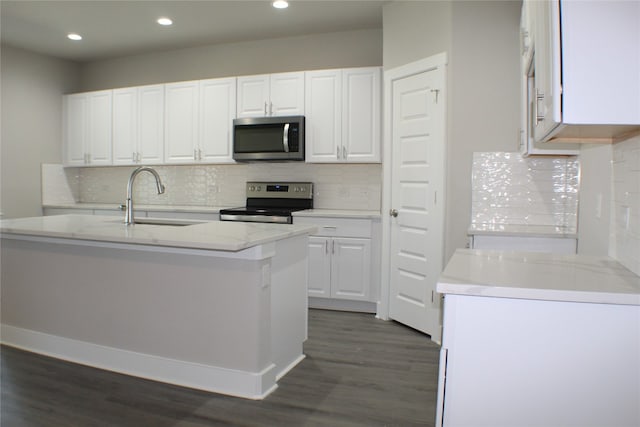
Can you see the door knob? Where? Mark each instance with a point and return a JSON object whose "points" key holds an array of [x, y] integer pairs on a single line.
{"points": [[393, 212]]}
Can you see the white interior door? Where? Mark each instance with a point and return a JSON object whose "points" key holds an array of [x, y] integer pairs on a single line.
{"points": [[417, 202]]}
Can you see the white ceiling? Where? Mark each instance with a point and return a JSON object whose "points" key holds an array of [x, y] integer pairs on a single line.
{"points": [[113, 28]]}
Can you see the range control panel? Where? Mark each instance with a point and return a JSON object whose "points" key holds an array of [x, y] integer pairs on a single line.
{"points": [[282, 190]]}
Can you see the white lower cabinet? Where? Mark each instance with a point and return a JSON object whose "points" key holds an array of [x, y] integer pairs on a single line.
{"points": [[339, 267], [510, 362], [343, 255]]}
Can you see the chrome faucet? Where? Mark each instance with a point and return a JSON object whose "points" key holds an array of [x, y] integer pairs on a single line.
{"points": [[128, 219]]}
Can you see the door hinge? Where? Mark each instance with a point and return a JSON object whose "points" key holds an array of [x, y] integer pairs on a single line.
{"points": [[436, 91]]}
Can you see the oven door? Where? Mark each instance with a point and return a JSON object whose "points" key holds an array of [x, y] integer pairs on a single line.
{"points": [[268, 138]]}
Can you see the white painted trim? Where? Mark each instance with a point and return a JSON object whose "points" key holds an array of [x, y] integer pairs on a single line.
{"points": [[401, 72], [258, 252], [290, 366], [250, 385], [342, 304]]}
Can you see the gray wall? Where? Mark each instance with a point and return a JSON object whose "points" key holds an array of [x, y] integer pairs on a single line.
{"points": [[481, 39], [484, 97], [32, 86], [317, 51], [415, 30]]}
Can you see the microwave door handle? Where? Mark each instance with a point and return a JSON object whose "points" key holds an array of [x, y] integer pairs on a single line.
{"points": [[285, 138]]}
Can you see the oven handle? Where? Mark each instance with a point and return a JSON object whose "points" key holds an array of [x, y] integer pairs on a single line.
{"points": [[285, 138]]}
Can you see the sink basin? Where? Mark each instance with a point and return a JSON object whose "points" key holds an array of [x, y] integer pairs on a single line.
{"points": [[168, 222]]}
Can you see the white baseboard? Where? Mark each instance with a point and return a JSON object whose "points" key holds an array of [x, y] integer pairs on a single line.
{"points": [[249, 385], [289, 367]]}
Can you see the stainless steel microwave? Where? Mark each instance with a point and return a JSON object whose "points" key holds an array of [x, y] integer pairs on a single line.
{"points": [[268, 138]]}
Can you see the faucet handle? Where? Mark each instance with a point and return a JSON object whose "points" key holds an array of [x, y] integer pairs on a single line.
{"points": [[122, 207]]}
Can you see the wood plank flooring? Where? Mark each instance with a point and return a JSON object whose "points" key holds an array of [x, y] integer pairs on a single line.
{"points": [[359, 371]]}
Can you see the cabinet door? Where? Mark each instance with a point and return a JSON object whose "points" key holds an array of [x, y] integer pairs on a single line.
{"points": [[150, 117], [323, 121], [75, 110], [253, 96], [287, 94], [350, 268], [217, 111], [547, 68], [361, 114], [125, 132], [99, 123], [319, 267], [181, 122]]}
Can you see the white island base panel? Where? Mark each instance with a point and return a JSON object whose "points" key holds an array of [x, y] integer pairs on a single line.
{"points": [[226, 322], [517, 362]]}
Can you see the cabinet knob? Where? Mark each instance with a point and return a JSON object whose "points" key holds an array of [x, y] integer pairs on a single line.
{"points": [[393, 212]]}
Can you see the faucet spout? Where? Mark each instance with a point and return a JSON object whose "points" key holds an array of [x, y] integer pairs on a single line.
{"points": [[128, 219]]}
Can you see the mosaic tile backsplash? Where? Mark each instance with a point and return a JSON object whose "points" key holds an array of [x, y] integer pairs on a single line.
{"points": [[350, 186], [510, 189], [624, 231]]}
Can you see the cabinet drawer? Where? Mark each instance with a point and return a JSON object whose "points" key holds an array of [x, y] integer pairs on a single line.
{"points": [[342, 227]]}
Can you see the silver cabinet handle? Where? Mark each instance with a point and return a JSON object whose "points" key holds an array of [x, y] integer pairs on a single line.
{"points": [[333, 246], [539, 97], [139, 157], [265, 108], [134, 157], [393, 213], [338, 152], [195, 154], [271, 108], [344, 153], [285, 138], [326, 247]]}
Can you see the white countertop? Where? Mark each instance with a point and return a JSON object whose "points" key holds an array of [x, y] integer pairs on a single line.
{"points": [[139, 207], [338, 213], [521, 230], [335, 213], [214, 235], [540, 276]]}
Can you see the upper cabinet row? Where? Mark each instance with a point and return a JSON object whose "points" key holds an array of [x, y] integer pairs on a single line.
{"points": [[191, 122], [581, 68]]}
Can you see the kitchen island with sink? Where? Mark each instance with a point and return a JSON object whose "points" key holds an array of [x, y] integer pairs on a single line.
{"points": [[216, 306]]}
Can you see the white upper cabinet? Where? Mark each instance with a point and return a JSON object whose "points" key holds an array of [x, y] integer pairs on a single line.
{"points": [[271, 95], [217, 111], [343, 115], [323, 121], [138, 134], [527, 144], [586, 68], [150, 124], [199, 116], [87, 130], [361, 114], [181, 122]]}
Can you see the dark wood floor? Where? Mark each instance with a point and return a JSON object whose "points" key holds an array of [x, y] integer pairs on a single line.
{"points": [[359, 371]]}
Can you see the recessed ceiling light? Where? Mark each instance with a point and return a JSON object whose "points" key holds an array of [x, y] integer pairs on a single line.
{"points": [[74, 36], [164, 21], [280, 4]]}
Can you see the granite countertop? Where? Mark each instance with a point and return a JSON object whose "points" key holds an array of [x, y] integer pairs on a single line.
{"points": [[214, 235], [521, 231], [539, 276]]}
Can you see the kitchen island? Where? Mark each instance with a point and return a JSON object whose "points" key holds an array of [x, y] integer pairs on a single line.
{"points": [[217, 306], [538, 339]]}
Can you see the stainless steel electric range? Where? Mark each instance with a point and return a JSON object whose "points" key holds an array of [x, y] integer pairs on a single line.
{"points": [[272, 202]]}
